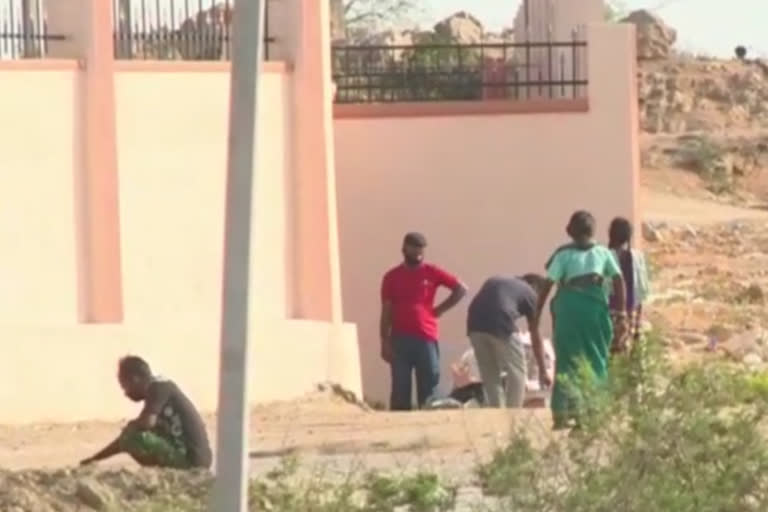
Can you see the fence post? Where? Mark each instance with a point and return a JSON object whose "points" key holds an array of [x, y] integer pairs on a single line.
{"points": [[32, 28], [494, 79], [124, 20], [87, 24]]}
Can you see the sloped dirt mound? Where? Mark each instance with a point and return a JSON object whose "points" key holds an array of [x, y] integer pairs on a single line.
{"points": [[83, 490], [328, 397]]}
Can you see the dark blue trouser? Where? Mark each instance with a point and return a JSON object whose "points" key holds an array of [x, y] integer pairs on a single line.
{"points": [[409, 354]]}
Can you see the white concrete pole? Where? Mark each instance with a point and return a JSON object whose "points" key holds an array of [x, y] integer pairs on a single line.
{"points": [[230, 491]]}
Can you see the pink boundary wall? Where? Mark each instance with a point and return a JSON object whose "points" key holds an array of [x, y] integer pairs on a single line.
{"points": [[491, 184], [90, 277], [156, 287]]}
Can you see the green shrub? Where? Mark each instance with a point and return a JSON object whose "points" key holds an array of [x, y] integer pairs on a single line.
{"points": [[705, 157], [691, 441], [284, 490]]}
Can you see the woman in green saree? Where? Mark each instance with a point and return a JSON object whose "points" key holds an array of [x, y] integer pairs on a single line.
{"points": [[582, 319]]}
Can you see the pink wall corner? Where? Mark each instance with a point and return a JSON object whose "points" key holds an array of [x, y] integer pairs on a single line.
{"points": [[87, 27], [635, 127], [316, 231], [614, 96], [99, 219]]}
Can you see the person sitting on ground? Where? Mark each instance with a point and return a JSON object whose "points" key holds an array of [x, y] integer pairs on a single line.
{"points": [[168, 433], [635, 273]]}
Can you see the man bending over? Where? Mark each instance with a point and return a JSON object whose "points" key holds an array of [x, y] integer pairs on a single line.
{"points": [[169, 432]]}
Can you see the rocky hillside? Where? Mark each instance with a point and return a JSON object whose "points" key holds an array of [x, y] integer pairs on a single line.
{"points": [[703, 116]]}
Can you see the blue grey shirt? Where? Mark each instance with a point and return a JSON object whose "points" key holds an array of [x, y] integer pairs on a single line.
{"points": [[499, 304]]}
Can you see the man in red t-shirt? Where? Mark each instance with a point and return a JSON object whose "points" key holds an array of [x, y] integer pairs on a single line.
{"points": [[408, 326]]}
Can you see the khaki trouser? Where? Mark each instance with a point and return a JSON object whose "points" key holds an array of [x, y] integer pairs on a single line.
{"points": [[496, 356]]}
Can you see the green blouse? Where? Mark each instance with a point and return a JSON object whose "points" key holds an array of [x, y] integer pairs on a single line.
{"points": [[568, 263]]}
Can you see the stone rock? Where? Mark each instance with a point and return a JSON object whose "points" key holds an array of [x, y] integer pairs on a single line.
{"points": [[682, 102], [749, 342], [338, 23], [654, 38], [674, 343], [82, 490], [462, 27], [694, 338], [396, 38], [651, 233], [753, 294], [752, 359], [390, 38], [91, 495], [507, 35], [337, 390], [22, 497], [719, 332], [499, 52], [689, 232]]}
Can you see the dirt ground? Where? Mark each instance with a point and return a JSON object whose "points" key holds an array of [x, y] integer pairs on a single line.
{"points": [[321, 429], [333, 440]]}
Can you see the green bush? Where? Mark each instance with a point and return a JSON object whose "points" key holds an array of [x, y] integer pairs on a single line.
{"points": [[705, 156], [654, 441], [284, 490]]}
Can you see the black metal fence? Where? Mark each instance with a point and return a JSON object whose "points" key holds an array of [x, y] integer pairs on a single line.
{"points": [[444, 72], [176, 29], [23, 30]]}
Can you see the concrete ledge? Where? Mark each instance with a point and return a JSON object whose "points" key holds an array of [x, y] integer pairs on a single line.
{"points": [[192, 66], [459, 108], [40, 65]]}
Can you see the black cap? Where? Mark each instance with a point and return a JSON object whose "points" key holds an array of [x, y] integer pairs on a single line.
{"points": [[415, 239]]}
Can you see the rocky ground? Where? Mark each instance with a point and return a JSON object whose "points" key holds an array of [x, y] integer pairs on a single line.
{"points": [[708, 120], [710, 282]]}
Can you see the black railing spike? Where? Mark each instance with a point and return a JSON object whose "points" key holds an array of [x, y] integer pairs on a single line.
{"points": [[23, 30], [446, 72], [186, 29]]}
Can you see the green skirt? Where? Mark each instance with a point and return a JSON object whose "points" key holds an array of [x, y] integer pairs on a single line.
{"points": [[583, 333], [151, 449]]}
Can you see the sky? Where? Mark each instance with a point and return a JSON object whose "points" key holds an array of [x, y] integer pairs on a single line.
{"points": [[712, 27]]}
